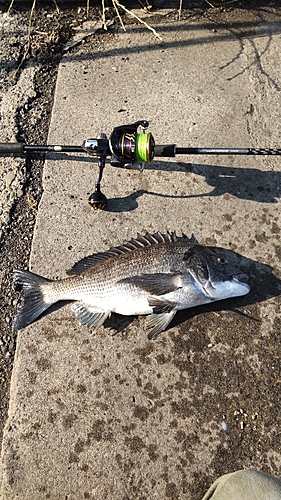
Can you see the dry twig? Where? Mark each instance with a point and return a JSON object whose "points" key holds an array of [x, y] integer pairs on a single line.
{"points": [[138, 18], [28, 40], [180, 9], [7, 14], [57, 7], [118, 14]]}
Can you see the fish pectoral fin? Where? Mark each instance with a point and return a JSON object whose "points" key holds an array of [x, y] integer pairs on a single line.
{"points": [[88, 315], [161, 305], [158, 323], [156, 284]]}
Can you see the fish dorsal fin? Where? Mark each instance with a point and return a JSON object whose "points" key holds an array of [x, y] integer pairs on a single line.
{"points": [[140, 241], [192, 239]]}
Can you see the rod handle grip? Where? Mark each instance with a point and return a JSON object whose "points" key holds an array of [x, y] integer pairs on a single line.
{"points": [[168, 150], [11, 147]]}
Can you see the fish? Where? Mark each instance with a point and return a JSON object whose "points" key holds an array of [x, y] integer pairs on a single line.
{"points": [[153, 274]]}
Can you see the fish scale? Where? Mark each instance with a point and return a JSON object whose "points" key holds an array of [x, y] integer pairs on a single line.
{"points": [[153, 274]]}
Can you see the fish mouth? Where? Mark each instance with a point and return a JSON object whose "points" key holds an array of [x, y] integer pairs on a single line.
{"points": [[235, 286], [241, 278]]}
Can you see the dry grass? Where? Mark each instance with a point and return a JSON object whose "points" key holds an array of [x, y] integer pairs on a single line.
{"points": [[117, 6], [115, 3]]}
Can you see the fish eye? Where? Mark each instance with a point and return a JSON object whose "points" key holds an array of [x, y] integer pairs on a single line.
{"points": [[222, 260]]}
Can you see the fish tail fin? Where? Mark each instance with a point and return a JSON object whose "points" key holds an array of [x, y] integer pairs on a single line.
{"points": [[34, 302]]}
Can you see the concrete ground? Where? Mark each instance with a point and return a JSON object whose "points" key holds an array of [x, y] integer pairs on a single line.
{"points": [[117, 416]]}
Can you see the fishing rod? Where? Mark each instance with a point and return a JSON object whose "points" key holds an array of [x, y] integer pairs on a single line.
{"points": [[127, 148]]}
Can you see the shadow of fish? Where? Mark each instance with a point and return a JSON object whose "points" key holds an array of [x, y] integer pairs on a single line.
{"points": [[155, 274]]}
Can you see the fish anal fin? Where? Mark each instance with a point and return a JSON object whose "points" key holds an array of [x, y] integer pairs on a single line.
{"points": [[88, 315], [156, 284], [158, 323]]}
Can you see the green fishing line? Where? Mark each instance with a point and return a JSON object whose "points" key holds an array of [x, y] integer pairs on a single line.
{"points": [[142, 151]]}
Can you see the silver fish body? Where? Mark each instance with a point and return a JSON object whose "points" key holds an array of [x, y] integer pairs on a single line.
{"points": [[155, 275]]}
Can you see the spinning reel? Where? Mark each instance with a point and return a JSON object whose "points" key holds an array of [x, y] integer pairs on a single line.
{"points": [[127, 148]]}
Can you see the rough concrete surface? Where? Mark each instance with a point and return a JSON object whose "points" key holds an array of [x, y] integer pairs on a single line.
{"points": [[116, 416], [12, 170], [28, 70]]}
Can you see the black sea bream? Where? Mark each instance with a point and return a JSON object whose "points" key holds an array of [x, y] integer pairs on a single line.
{"points": [[155, 274]]}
